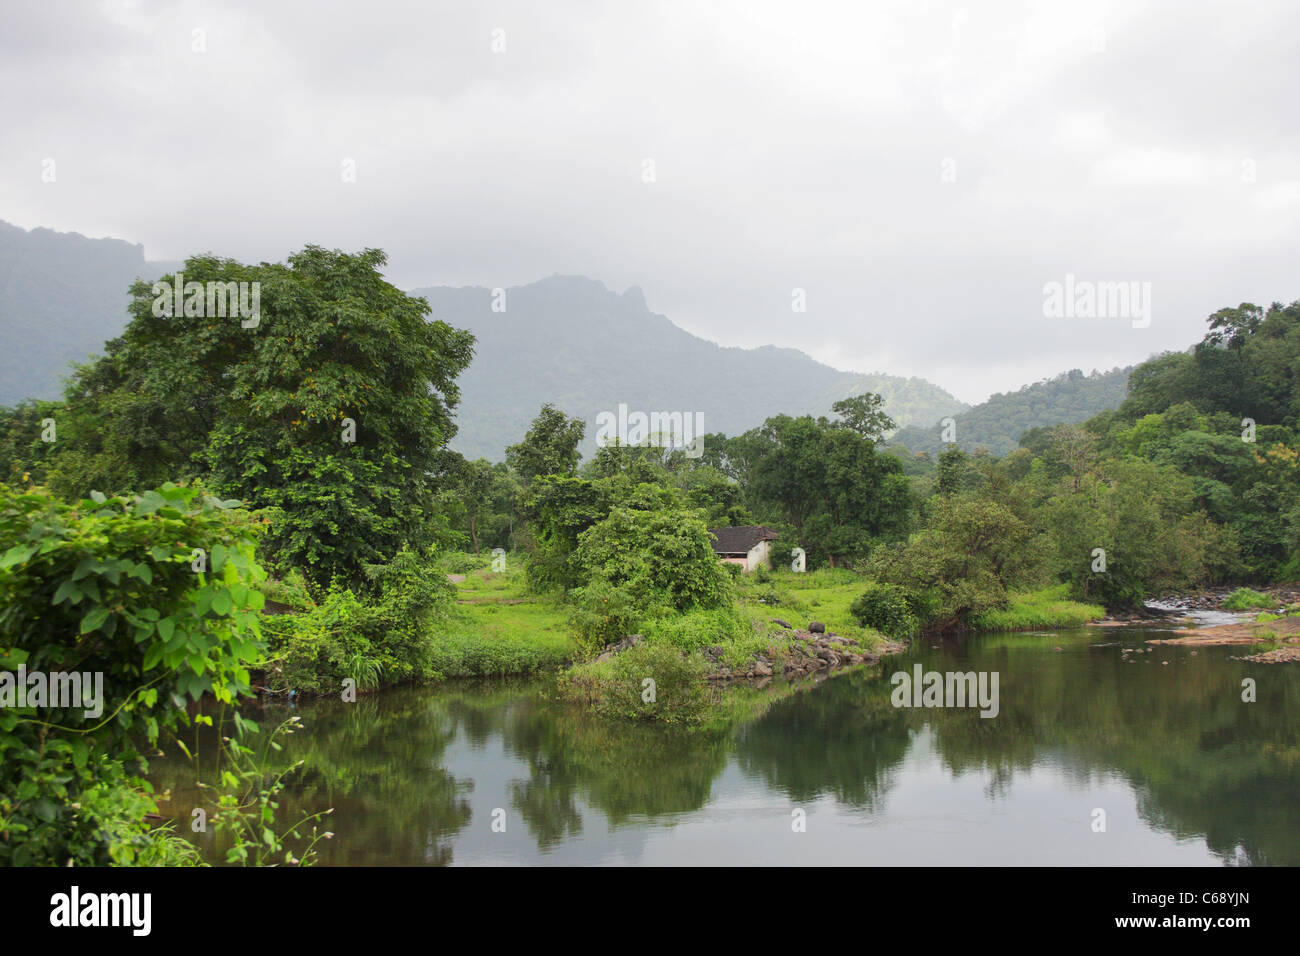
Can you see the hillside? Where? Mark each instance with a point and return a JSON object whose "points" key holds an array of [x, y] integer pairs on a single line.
{"points": [[570, 341], [62, 296], [566, 340], [997, 424]]}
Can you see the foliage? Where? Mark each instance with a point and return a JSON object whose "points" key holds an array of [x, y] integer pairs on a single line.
{"points": [[662, 557], [649, 681], [109, 587], [329, 410], [384, 628], [604, 613], [887, 608], [1246, 599], [550, 446], [1046, 608]]}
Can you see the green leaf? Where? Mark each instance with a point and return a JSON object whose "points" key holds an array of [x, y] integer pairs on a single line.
{"points": [[94, 620], [18, 554]]}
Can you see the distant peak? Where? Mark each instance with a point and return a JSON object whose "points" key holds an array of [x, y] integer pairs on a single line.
{"points": [[635, 297]]}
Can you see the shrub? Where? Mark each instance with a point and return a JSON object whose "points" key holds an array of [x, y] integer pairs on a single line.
{"points": [[1244, 599], [384, 632], [114, 587], [650, 681], [888, 608], [603, 614], [663, 556], [698, 629]]}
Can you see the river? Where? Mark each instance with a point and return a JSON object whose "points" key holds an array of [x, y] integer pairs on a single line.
{"points": [[1101, 753]]}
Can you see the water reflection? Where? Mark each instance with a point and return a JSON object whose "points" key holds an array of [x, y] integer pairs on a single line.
{"points": [[1187, 772]]}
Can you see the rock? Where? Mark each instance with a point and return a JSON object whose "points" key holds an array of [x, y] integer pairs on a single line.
{"points": [[816, 627], [785, 624], [762, 669], [630, 641]]}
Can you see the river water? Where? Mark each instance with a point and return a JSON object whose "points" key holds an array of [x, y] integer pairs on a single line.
{"points": [[1101, 753]]}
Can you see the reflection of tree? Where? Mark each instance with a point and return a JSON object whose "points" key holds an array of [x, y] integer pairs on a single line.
{"points": [[622, 768], [548, 809], [844, 738], [350, 753], [1203, 763]]}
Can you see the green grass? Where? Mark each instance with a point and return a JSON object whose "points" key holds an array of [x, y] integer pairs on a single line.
{"points": [[823, 595], [498, 628], [1034, 610], [1244, 599]]}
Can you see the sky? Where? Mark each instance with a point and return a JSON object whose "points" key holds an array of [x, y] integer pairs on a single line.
{"points": [[891, 187]]}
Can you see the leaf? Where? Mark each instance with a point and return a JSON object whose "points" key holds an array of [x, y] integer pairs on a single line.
{"points": [[94, 620], [18, 554]]}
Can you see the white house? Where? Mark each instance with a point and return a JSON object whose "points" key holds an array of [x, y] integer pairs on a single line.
{"points": [[747, 545]]}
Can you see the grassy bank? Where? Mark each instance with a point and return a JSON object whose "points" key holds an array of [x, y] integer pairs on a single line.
{"points": [[1043, 609], [498, 628]]}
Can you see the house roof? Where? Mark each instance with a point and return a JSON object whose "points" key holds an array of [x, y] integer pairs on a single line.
{"points": [[740, 539]]}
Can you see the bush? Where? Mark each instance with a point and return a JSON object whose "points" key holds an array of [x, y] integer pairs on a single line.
{"points": [[383, 633], [698, 629], [603, 614], [1244, 599], [650, 681], [114, 587], [888, 608], [664, 556]]}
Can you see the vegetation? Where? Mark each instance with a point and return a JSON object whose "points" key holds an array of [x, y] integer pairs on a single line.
{"points": [[325, 428], [997, 424], [1247, 599], [112, 588]]}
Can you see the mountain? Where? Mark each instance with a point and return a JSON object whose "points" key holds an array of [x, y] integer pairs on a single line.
{"points": [[566, 340], [998, 423], [570, 341], [62, 296]]}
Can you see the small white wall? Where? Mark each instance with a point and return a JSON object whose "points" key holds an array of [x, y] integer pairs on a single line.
{"points": [[757, 555]]}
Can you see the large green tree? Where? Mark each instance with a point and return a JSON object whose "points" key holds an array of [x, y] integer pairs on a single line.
{"points": [[330, 408]]}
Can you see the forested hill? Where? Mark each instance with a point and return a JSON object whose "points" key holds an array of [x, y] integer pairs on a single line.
{"points": [[570, 341], [62, 296], [997, 424], [566, 340]]}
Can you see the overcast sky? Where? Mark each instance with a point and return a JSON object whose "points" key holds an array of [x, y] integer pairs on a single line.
{"points": [[921, 170]]}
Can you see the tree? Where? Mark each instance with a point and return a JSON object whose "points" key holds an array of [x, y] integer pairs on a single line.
{"points": [[476, 482], [837, 491], [865, 415], [550, 447], [330, 411]]}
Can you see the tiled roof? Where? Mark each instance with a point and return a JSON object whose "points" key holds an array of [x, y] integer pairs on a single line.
{"points": [[740, 539]]}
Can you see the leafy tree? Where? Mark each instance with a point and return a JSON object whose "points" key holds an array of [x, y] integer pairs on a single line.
{"points": [[865, 415], [550, 446], [330, 411], [659, 557]]}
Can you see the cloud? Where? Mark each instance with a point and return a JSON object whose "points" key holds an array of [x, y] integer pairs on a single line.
{"points": [[919, 170]]}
